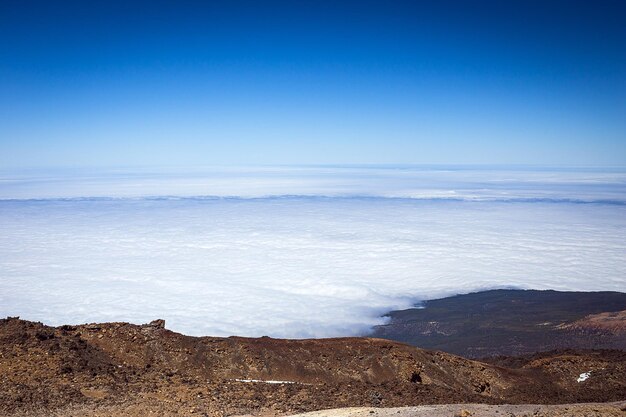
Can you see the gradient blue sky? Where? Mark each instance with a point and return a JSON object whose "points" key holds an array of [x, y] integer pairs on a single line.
{"points": [[121, 83]]}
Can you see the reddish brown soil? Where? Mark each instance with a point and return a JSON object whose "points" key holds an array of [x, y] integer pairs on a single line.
{"points": [[124, 369], [611, 322]]}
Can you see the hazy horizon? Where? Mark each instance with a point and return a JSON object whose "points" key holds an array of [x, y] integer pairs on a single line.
{"points": [[299, 252]]}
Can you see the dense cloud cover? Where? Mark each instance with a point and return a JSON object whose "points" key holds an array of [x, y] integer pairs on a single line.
{"points": [[298, 252]]}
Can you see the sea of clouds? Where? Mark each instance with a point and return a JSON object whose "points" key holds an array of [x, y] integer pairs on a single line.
{"points": [[298, 251]]}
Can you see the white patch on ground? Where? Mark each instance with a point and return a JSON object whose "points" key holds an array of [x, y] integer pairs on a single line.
{"points": [[584, 376], [267, 381]]}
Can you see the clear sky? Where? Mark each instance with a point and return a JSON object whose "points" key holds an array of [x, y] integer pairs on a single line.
{"points": [[123, 83]]}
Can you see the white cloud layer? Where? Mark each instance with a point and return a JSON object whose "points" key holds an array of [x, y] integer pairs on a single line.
{"points": [[327, 263]]}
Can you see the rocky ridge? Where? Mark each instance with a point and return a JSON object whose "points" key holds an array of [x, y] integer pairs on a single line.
{"points": [[128, 369]]}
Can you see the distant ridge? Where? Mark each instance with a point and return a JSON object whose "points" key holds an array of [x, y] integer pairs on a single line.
{"points": [[510, 322], [477, 199]]}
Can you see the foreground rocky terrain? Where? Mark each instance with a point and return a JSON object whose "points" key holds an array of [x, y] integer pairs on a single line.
{"points": [[512, 322], [117, 369]]}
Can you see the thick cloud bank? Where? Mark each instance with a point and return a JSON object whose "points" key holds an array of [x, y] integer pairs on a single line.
{"points": [[298, 252]]}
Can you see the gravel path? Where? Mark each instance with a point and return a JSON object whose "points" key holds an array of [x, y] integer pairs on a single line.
{"points": [[480, 410]]}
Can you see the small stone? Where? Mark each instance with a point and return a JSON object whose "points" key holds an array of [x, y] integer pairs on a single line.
{"points": [[158, 324]]}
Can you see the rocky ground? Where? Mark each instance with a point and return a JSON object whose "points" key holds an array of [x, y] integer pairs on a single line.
{"points": [[120, 369]]}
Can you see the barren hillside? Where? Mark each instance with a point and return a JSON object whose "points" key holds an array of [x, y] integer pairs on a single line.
{"points": [[135, 370]]}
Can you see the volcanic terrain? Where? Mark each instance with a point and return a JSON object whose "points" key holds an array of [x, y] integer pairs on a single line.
{"points": [[117, 369], [512, 322]]}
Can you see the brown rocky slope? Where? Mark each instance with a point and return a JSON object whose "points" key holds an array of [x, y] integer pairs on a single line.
{"points": [[138, 370]]}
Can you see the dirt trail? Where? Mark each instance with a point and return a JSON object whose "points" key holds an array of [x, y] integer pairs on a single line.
{"points": [[480, 410]]}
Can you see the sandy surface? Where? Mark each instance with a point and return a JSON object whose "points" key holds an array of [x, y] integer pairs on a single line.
{"points": [[479, 410]]}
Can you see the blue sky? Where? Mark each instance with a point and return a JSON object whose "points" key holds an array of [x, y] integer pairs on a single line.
{"points": [[312, 82]]}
